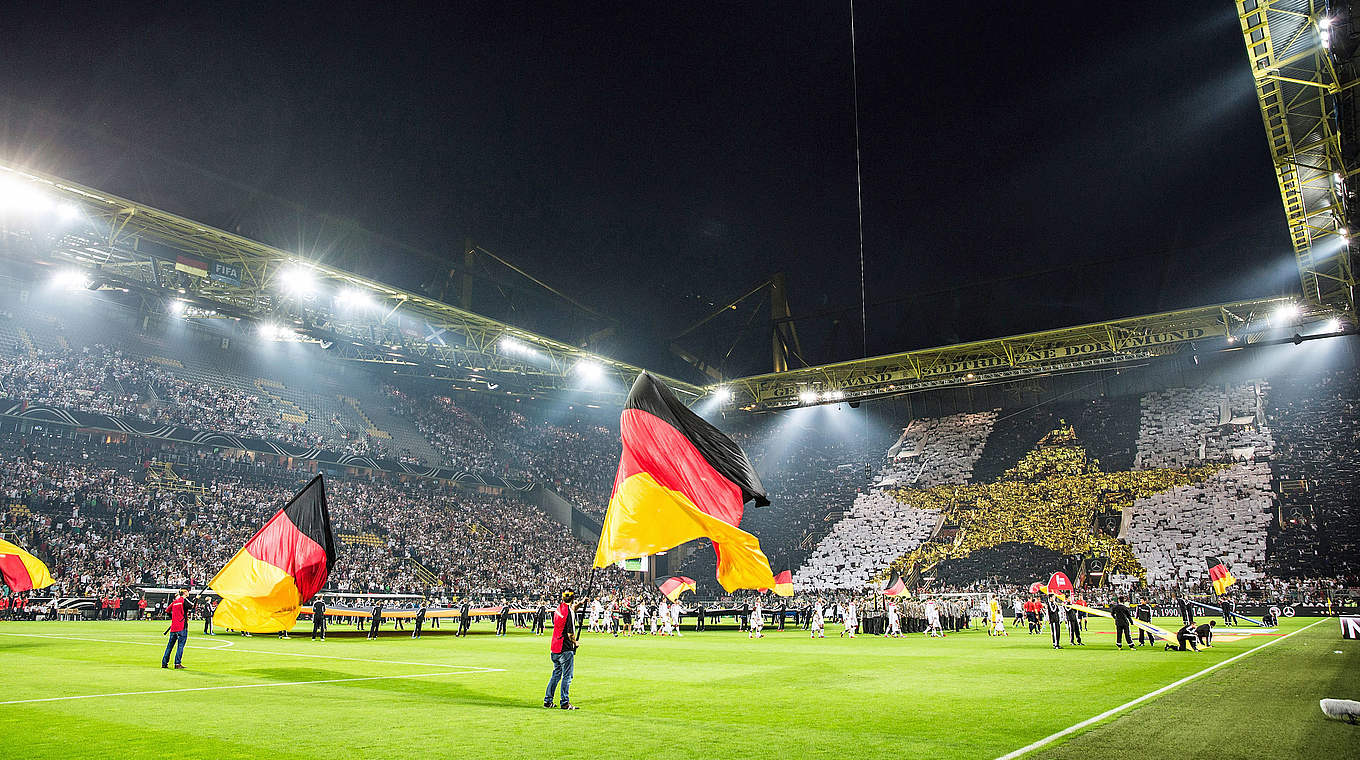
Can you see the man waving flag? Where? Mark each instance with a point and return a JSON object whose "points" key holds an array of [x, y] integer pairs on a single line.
{"points": [[680, 479], [22, 571], [280, 568]]}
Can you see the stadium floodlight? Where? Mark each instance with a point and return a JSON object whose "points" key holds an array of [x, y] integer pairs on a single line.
{"points": [[1332, 325], [808, 397], [269, 331], [299, 281], [355, 299], [723, 395], [177, 307], [71, 279], [1324, 23], [591, 371], [835, 395], [1287, 312], [68, 212]]}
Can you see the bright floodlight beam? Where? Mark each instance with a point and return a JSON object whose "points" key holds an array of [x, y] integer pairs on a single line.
{"points": [[298, 281], [590, 371], [356, 300], [723, 395], [71, 279], [808, 397]]}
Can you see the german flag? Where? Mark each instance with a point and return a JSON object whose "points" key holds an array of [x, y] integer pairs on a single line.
{"points": [[680, 479], [676, 585], [783, 584], [280, 568], [22, 571], [1219, 575], [895, 586]]}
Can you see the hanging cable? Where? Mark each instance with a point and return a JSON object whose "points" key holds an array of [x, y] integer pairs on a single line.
{"points": [[859, 193]]}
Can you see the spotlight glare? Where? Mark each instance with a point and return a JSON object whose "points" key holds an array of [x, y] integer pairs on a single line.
{"points": [[177, 307], [590, 371], [1287, 312], [71, 279], [298, 281], [723, 395], [807, 397], [1332, 325], [355, 299]]}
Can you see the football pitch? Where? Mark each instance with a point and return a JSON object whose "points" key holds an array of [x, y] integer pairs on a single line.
{"points": [[96, 689]]}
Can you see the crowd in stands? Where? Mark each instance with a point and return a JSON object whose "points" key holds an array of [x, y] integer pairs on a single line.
{"points": [[103, 380], [104, 530], [1316, 422], [879, 527]]}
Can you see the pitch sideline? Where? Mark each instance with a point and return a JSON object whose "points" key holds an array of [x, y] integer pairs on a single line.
{"points": [[1155, 693]]}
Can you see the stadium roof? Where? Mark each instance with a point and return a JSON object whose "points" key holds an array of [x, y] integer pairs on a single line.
{"points": [[213, 273], [1301, 86]]}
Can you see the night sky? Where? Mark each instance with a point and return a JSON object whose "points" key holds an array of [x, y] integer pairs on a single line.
{"points": [[1025, 166]]}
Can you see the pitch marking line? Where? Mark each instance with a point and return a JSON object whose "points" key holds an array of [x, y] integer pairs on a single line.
{"points": [[224, 645], [1132, 703], [237, 686]]}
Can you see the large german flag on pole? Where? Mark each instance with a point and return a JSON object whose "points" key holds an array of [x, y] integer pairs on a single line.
{"points": [[22, 571], [676, 585], [280, 568], [1219, 575], [680, 479]]}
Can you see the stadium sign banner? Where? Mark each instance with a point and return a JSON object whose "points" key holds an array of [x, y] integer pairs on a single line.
{"points": [[229, 274]]}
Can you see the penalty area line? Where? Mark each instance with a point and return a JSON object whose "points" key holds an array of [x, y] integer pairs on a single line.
{"points": [[1150, 695], [236, 686]]}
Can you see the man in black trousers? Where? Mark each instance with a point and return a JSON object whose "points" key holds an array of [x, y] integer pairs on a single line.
{"points": [[464, 617], [783, 613], [1229, 611], [1123, 620], [699, 615], [375, 621], [501, 618], [1144, 614], [420, 620], [1074, 627], [318, 619], [539, 614], [1055, 616]]}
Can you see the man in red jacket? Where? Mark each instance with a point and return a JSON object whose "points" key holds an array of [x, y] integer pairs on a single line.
{"points": [[563, 651], [179, 629]]}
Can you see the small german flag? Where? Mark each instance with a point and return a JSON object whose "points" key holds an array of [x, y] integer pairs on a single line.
{"points": [[1219, 575], [680, 479], [895, 586], [22, 571], [676, 585], [280, 568], [783, 584]]}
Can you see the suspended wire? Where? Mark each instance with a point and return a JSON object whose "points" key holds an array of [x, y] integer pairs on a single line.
{"points": [[859, 193]]}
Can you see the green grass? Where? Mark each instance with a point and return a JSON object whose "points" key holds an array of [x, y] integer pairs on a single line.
{"points": [[712, 695]]}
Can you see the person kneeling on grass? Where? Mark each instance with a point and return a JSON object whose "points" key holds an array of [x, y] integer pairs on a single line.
{"points": [[1186, 634], [1205, 632], [563, 652]]}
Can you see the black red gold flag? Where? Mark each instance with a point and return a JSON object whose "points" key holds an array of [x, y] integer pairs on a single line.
{"points": [[679, 479], [1219, 575], [895, 586], [783, 584], [674, 586], [280, 568], [20, 570]]}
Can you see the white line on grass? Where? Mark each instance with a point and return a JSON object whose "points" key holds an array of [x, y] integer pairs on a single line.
{"points": [[224, 645], [237, 686], [1114, 711]]}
